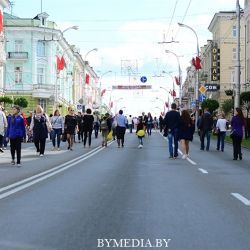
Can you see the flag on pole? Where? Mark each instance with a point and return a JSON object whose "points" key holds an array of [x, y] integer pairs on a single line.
{"points": [[166, 104], [1, 22], [60, 63], [177, 80], [103, 92], [196, 62], [87, 78], [111, 104]]}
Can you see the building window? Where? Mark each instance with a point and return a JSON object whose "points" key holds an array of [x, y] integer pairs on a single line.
{"points": [[233, 77], [234, 31], [18, 75], [43, 104], [41, 48], [234, 57], [18, 46], [40, 75]]}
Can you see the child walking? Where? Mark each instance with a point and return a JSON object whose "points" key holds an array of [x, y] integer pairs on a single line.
{"points": [[140, 132]]}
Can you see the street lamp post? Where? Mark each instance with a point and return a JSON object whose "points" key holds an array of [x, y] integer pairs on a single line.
{"points": [[95, 49], [197, 72], [75, 27], [180, 75]]}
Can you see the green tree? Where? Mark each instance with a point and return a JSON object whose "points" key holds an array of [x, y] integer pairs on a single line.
{"points": [[245, 97], [211, 104], [6, 99], [21, 101], [227, 106]]}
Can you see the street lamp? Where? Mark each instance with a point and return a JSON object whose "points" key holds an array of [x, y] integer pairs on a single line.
{"points": [[95, 49], [75, 27], [180, 75], [197, 73]]}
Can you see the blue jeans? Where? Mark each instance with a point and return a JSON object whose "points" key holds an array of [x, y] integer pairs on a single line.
{"points": [[206, 134], [56, 134], [172, 136], [130, 126], [140, 140], [149, 128], [220, 140]]}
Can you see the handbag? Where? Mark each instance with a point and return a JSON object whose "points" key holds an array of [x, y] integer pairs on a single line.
{"points": [[64, 137], [110, 136]]}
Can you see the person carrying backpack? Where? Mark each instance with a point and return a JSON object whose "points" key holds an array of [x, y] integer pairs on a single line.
{"points": [[105, 128]]}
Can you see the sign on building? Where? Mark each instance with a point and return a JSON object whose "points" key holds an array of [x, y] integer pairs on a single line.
{"points": [[215, 74], [211, 87]]}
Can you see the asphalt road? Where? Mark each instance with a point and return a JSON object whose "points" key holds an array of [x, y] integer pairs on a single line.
{"points": [[127, 193]]}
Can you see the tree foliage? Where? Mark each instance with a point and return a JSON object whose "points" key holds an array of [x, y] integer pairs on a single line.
{"points": [[245, 97], [21, 101], [227, 106], [5, 99], [211, 104]]}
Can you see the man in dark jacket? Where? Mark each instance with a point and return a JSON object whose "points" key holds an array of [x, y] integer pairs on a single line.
{"points": [[172, 122], [206, 126]]}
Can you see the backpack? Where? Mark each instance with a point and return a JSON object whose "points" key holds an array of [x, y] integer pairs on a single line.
{"points": [[104, 124]]}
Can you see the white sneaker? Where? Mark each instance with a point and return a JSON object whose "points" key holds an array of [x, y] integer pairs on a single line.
{"points": [[58, 149], [184, 156], [53, 149], [41, 155], [37, 153]]}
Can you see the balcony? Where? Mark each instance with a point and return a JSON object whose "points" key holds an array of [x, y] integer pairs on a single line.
{"points": [[17, 55], [43, 90]]}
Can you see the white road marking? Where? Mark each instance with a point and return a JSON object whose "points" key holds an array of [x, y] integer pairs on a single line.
{"points": [[203, 170], [20, 185], [241, 198]]}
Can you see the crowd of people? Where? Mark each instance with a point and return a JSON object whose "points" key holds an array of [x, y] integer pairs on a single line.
{"points": [[176, 126]]}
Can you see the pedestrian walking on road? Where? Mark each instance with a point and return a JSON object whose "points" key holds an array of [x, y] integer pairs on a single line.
{"points": [[70, 127], [40, 127], [105, 126], [57, 123], [206, 127], [140, 127], [88, 122], [172, 123], [130, 124], [96, 124], [149, 124], [3, 127], [15, 133], [186, 132], [121, 128], [79, 118], [237, 125], [221, 128]]}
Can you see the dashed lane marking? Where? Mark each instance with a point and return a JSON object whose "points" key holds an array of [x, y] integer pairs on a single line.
{"points": [[241, 198], [203, 170]]}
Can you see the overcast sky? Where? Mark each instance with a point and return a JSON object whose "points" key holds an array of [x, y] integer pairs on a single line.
{"points": [[130, 31]]}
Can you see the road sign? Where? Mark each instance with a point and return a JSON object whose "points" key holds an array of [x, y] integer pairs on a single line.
{"points": [[211, 87], [193, 104], [203, 89], [202, 98], [144, 79]]}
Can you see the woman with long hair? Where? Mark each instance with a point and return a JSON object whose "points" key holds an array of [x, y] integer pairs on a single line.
{"points": [[41, 126], [237, 124], [186, 132], [57, 123], [70, 125]]}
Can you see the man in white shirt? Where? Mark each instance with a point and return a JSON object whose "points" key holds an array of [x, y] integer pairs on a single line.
{"points": [[130, 123]]}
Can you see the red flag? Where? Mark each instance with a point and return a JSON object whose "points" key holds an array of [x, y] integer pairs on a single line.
{"points": [[103, 92], [198, 63], [62, 63], [87, 78], [166, 103], [111, 104], [177, 80], [1, 22], [173, 93]]}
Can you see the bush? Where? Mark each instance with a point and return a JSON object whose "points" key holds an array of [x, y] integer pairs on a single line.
{"points": [[21, 101], [227, 106], [6, 99], [211, 104]]}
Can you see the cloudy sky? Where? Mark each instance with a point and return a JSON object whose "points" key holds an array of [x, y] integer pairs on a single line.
{"points": [[127, 35]]}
